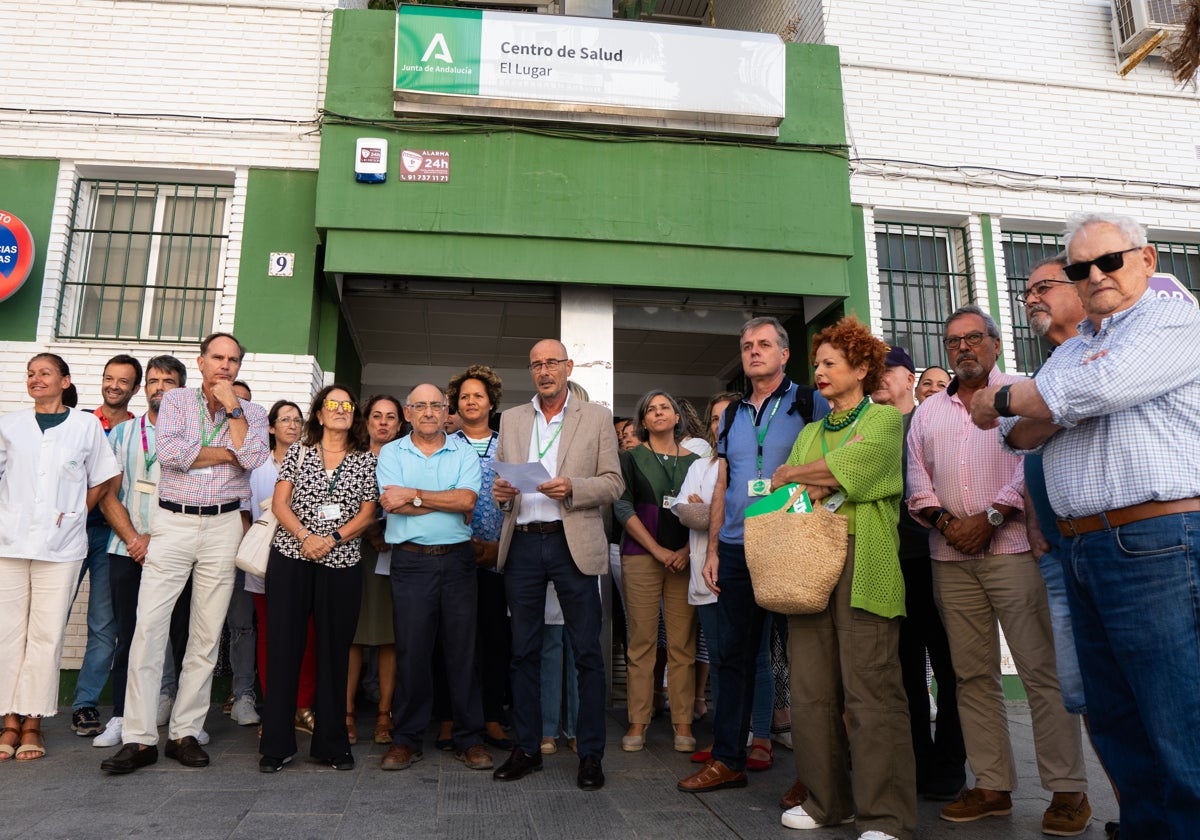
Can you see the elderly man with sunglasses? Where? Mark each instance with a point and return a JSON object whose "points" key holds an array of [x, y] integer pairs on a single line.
{"points": [[971, 492], [1120, 440]]}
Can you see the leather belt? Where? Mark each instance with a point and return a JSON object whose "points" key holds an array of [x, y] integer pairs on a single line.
{"points": [[417, 548], [199, 510], [1125, 516], [541, 527]]}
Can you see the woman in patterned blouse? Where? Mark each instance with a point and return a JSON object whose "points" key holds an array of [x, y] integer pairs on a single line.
{"points": [[325, 498]]}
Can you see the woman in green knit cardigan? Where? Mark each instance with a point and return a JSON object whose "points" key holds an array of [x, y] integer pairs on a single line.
{"points": [[845, 658]]}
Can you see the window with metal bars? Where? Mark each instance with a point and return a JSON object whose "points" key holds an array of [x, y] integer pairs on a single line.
{"points": [[1181, 259], [144, 260], [924, 275], [1022, 251]]}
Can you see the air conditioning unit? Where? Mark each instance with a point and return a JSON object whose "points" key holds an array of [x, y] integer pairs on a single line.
{"points": [[1136, 22]]}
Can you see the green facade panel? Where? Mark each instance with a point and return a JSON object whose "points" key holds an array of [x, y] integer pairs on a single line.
{"points": [[27, 188]]}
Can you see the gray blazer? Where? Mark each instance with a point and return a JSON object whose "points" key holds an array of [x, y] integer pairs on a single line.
{"points": [[587, 454]]}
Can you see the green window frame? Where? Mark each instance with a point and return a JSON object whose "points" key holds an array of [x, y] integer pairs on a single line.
{"points": [[924, 275], [1022, 251], [1181, 259], [144, 260]]}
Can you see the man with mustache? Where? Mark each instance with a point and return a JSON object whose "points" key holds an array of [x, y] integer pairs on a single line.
{"points": [[971, 491]]}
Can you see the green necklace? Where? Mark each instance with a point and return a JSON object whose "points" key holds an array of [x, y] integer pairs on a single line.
{"points": [[849, 420]]}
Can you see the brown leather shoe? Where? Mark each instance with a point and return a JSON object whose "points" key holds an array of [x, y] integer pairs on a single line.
{"points": [[400, 757], [1065, 818], [476, 758], [713, 776], [795, 795], [974, 804]]}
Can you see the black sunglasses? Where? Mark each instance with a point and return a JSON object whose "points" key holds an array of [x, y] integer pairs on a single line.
{"points": [[1105, 262]]}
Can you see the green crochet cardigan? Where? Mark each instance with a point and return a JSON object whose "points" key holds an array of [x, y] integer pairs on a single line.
{"points": [[869, 472]]}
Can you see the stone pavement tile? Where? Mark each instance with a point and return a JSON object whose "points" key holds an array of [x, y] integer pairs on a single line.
{"points": [[486, 827], [79, 823], [368, 825], [304, 787], [580, 815], [656, 825], [650, 790], [476, 792], [288, 825], [199, 813]]}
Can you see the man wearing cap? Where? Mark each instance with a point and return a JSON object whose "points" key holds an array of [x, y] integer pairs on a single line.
{"points": [[941, 758]]}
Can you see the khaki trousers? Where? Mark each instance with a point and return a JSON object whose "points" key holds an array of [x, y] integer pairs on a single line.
{"points": [[848, 658], [647, 584], [972, 595]]}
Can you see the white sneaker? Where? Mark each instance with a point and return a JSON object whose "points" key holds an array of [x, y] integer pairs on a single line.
{"points": [[798, 818], [876, 835], [165, 702], [111, 736], [243, 712], [202, 739]]}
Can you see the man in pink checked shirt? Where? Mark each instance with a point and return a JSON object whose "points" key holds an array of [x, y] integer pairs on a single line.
{"points": [[970, 491]]}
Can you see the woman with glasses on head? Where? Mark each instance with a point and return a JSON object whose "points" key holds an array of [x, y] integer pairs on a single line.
{"points": [[655, 564], [324, 499]]}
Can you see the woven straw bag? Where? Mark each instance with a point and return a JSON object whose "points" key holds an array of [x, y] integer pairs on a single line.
{"points": [[795, 559]]}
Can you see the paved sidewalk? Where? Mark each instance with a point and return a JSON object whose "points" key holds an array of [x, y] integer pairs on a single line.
{"points": [[65, 795]]}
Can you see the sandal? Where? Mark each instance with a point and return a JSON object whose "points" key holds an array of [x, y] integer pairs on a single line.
{"points": [[7, 751], [383, 726], [29, 752], [351, 728], [760, 763]]}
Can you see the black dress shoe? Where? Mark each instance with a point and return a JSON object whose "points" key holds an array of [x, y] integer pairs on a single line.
{"points": [[591, 775], [518, 766], [130, 758], [499, 743], [341, 762], [188, 752], [270, 764]]}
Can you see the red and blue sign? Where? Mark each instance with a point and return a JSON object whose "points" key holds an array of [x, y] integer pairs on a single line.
{"points": [[16, 254]]}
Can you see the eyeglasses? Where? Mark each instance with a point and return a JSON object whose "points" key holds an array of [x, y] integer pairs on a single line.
{"points": [[971, 339], [422, 407], [550, 365], [334, 405], [1105, 262], [296, 421], [1039, 290]]}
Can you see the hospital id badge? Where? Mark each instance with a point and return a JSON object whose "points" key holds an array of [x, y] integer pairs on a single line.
{"points": [[758, 487], [329, 513], [668, 501], [143, 486]]}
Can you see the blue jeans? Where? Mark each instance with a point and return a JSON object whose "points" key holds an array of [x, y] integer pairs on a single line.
{"points": [[1070, 683], [242, 638], [101, 623], [763, 708], [557, 662], [1135, 605], [711, 625], [740, 621]]}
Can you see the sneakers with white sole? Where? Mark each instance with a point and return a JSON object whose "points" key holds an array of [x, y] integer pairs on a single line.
{"points": [[876, 835], [202, 739], [799, 818], [165, 703], [111, 736], [243, 712]]}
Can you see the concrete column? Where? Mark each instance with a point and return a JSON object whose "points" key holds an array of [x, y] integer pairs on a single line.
{"points": [[586, 317]]}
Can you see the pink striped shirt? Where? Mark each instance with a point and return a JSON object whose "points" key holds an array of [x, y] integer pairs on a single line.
{"points": [[956, 465]]}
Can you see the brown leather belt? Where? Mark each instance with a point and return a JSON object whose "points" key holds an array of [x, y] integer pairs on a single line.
{"points": [[1125, 516], [417, 548], [541, 527]]}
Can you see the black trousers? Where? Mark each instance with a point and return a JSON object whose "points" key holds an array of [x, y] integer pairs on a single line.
{"points": [[124, 583], [297, 589], [493, 650], [940, 757]]}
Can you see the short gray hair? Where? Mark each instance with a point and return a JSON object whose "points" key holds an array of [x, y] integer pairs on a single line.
{"points": [[1134, 233], [972, 309], [764, 321], [1059, 259]]}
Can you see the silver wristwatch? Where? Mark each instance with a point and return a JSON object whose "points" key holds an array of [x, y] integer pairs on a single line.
{"points": [[995, 517]]}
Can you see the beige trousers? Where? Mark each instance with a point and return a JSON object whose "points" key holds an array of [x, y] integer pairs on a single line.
{"points": [[972, 596], [647, 584]]}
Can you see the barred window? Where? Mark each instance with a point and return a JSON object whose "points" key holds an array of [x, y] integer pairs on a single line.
{"points": [[924, 275], [1181, 259], [144, 260], [1022, 251]]}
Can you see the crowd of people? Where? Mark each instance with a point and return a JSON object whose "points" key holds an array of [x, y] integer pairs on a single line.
{"points": [[460, 549]]}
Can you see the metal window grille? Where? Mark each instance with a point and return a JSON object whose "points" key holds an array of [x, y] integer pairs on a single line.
{"points": [[1022, 251], [924, 275], [144, 260], [1182, 260]]}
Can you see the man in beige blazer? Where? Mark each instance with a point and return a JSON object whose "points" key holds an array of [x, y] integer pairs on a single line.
{"points": [[556, 534]]}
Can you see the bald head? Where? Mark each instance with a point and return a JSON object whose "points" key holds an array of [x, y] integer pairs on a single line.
{"points": [[550, 369], [425, 408]]}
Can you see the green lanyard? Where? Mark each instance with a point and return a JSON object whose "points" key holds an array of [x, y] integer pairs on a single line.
{"points": [[672, 476], [146, 456], [206, 438], [762, 435], [538, 437]]}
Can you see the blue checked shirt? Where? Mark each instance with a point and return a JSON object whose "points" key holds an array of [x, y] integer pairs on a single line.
{"points": [[1128, 399]]}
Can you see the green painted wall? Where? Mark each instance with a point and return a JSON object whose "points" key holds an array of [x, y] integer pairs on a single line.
{"points": [[858, 303], [27, 191], [278, 314], [581, 204]]}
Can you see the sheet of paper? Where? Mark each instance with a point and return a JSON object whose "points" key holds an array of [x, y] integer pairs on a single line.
{"points": [[525, 477]]}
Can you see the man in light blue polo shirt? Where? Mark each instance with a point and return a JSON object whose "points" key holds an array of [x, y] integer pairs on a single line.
{"points": [[428, 485]]}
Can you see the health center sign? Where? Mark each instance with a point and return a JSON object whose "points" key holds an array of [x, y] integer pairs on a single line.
{"points": [[552, 67], [16, 254]]}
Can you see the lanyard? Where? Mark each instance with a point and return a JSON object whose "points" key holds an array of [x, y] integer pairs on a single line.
{"points": [[333, 478], [149, 459], [762, 435], [538, 437], [672, 476], [206, 438]]}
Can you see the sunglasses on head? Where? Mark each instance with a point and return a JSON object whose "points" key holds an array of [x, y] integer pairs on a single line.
{"points": [[1105, 262]]}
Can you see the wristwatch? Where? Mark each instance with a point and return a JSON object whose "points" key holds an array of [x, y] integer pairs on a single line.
{"points": [[337, 537], [416, 502], [236, 413], [1000, 403], [995, 517]]}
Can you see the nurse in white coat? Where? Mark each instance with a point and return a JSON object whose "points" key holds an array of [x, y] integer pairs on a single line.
{"points": [[54, 463]]}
